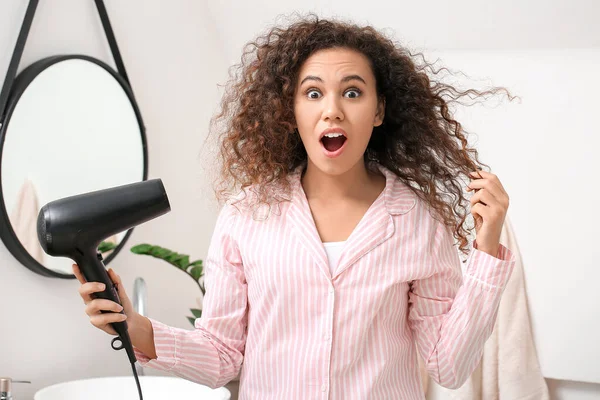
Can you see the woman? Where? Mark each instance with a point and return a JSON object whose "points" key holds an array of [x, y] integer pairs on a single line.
{"points": [[336, 263]]}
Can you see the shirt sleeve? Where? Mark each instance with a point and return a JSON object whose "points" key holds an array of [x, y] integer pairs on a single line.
{"points": [[452, 315], [212, 353]]}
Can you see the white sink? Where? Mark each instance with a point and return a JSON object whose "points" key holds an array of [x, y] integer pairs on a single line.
{"points": [[124, 388]]}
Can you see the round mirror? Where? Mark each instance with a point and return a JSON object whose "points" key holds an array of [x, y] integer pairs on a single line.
{"points": [[71, 126]]}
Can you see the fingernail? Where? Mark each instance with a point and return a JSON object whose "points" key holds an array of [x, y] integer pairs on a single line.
{"points": [[102, 286]]}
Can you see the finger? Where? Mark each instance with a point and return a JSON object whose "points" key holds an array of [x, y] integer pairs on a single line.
{"points": [[481, 173], [96, 306], [488, 184], [491, 177], [480, 212], [486, 198], [87, 289], [113, 276], [78, 274], [499, 197], [102, 320], [116, 279], [118, 283]]}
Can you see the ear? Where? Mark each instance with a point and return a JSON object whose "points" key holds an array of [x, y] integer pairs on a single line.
{"points": [[380, 112]]}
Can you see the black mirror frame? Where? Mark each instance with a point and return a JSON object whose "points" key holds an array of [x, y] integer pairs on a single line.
{"points": [[21, 83]]}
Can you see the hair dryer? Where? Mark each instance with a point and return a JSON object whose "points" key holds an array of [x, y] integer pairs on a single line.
{"points": [[74, 226]]}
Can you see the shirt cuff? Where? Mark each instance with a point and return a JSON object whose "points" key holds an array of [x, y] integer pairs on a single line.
{"points": [[165, 346], [494, 271]]}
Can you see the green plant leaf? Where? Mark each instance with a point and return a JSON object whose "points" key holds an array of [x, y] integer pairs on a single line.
{"points": [[142, 248], [195, 272], [173, 258], [103, 247], [197, 313], [160, 252], [180, 261], [183, 262]]}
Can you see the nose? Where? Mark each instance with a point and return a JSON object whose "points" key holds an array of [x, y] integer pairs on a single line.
{"points": [[333, 109]]}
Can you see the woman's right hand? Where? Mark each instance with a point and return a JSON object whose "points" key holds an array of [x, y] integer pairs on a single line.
{"points": [[94, 306]]}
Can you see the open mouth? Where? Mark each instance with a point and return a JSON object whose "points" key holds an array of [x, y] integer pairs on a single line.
{"points": [[333, 141]]}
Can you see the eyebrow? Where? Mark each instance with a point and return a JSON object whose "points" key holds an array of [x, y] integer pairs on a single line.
{"points": [[344, 80]]}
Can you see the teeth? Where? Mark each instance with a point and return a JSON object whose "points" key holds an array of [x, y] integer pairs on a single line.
{"points": [[333, 135]]}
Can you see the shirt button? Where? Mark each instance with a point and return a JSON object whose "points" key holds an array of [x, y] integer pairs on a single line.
{"points": [[323, 388], [331, 290]]}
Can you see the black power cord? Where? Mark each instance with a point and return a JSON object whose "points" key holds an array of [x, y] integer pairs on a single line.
{"points": [[137, 381], [132, 360]]}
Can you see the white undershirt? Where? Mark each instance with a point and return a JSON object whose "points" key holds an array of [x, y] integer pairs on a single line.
{"points": [[333, 250]]}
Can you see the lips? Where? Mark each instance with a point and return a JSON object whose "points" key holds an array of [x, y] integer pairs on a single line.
{"points": [[333, 141]]}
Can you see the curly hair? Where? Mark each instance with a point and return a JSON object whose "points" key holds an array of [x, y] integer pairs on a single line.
{"points": [[419, 140]]}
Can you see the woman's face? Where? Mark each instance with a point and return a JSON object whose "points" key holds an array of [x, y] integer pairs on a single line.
{"points": [[336, 108]]}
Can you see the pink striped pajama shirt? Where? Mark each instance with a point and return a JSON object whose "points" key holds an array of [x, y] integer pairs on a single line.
{"points": [[303, 333]]}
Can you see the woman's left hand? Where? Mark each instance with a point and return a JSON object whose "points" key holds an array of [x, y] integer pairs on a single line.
{"points": [[489, 205]]}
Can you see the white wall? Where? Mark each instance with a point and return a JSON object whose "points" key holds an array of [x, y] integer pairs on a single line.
{"points": [[175, 55], [433, 24]]}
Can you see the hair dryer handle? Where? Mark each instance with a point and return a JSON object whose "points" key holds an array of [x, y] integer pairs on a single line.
{"points": [[93, 270]]}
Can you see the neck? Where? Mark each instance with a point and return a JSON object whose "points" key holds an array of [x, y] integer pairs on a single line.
{"points": [[352, 183]]}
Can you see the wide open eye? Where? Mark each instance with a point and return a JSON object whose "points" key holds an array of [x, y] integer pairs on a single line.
{"points": [[354, 93], [313, 93]]}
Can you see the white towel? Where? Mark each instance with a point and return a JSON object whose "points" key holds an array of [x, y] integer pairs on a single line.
{"points": [[509, 368], [23, 219]]}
